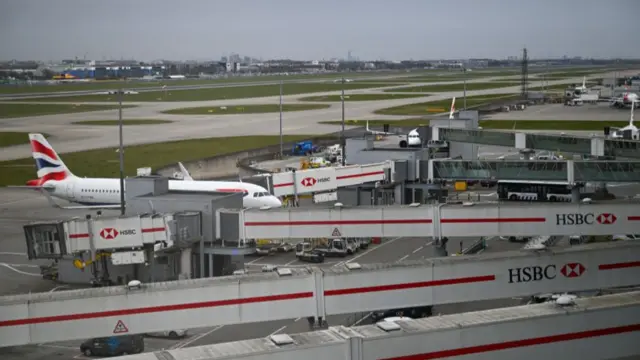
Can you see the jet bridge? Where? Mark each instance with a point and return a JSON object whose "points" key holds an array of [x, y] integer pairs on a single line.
{"points": [[327, 178], [596, 146], [570, 171], [594, 328], [440, 220], [312, 292]]}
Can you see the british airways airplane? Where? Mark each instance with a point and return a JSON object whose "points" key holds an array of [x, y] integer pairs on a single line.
{"points": [[99, 193]]}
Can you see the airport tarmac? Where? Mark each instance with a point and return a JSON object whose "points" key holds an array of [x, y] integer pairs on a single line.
{"points": [[68, 138], [20, 207], [555, 112]]}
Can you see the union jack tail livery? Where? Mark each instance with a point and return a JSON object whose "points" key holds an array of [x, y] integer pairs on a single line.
{"points": [[48, 163], [452, 111]]}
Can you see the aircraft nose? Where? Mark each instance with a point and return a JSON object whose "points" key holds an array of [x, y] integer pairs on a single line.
{"points": [[275, 201]]}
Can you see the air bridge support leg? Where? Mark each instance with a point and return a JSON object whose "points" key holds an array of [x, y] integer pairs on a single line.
{"points": [[575, 195]]}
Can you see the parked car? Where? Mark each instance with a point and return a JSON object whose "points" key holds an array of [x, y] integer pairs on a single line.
{"points": [[173, 334], [113, 346]]}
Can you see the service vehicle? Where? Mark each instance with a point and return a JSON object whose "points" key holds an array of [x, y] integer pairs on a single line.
{"points": [[172, 334], [306, 252], [410, 312], [113, 346]]}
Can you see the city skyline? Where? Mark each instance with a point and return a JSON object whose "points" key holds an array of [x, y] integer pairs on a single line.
{"points": [[303, 30]]}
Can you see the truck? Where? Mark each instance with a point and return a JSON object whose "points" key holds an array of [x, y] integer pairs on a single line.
{"points": [[305, 251], [328, 247], [303, 148], [266, 246]]}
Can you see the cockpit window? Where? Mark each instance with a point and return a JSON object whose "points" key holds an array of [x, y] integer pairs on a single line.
{"points": [[260, 194]]}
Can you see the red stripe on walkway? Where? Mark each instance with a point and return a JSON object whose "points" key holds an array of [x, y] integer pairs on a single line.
{"points": [[633, 218], [78, 236], [615, 266], [414, 285], [154, 309], [360, 175], [495, 220], [338, 222], [520, 343], [150, 230]]}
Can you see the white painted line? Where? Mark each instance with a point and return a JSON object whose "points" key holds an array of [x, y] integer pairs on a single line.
{"points": [[58, 288], [363, 319], [12, 253], [297, 319], [24, 265], [367, 252], [252, 261], [277, 331], [404, 257], [416, 250], [290, 262], [19, 271], [180, 345], [60, 347]]}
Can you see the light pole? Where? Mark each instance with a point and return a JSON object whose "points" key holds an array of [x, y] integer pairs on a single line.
{"points": [[464, 95], [281, 143], [343, 140], [121, 151]]}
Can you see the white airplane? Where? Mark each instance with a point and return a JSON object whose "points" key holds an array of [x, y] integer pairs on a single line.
{"points": [[413, 138], [56, 180], [340, 80], [635, 134], [627, 99]]}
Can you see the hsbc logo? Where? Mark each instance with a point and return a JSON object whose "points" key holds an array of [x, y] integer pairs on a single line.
{"points": [[310, 181], [585, 219], [549, 272], [572, 270], [109, 233], [606, 219]]}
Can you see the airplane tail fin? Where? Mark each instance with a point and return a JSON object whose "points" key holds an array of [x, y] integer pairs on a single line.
{"points": [[50, 166], [367, 126], [185, 173], [633, 105], [584, 82], [453, 108]]}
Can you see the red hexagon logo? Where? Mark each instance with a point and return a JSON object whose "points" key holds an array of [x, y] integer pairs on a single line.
{"points": [[572, 270], [606, 219], [108, 233], [309, 181]]}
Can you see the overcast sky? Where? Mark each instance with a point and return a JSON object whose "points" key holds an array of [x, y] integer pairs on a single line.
{"points": [[317, 29]]}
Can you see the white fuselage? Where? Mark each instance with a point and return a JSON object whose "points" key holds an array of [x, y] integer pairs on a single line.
{"points": [[413, 139], [97, 191]]}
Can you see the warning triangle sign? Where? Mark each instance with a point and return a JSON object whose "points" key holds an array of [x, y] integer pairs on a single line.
{"points": [[120, 328], [336, 233]]}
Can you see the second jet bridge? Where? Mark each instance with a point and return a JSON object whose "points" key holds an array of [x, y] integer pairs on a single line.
{"points": [[312, 292], [450, 220]]}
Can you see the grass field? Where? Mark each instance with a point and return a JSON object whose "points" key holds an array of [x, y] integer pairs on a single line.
{"points": [[10, 138], [569, 125], [567, 75], [124, 122], [104, 162], [133, 84], [450, 87], [244, 109], [438, 106], [23, 110], [362, 97], [219, 93]]}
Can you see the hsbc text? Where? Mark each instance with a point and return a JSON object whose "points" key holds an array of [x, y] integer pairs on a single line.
{"points": [[575, 219], [532, 273]]}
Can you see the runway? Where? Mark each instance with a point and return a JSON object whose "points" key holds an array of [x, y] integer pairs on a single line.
{"points": [[69, 138]]}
